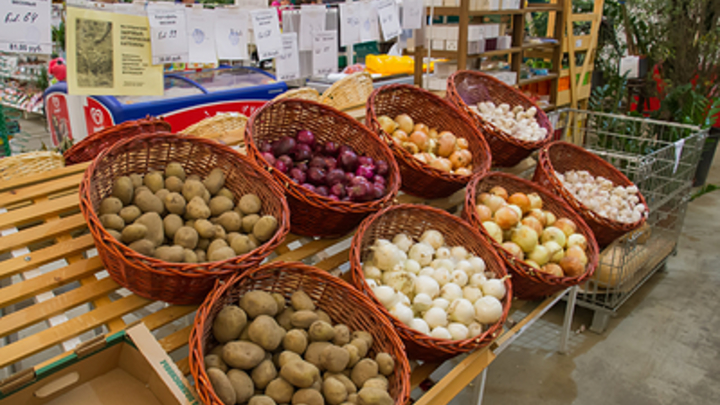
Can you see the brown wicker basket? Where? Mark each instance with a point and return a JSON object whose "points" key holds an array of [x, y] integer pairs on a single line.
{"points": [[413, 220], [419, 178], [88, 148], [26, 164], [176, 283], [337, 298], [312, 214], [528, 283], [466, 87], [561, 157]]}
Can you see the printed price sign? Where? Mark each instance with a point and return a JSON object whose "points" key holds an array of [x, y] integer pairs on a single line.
{"points": [[325, 59], [231, 34], [312, 20], [168, 35], [350, 24], [25, 26], [287, 64], [413, 11], [367, 16], [389, 20], [200, 35], [266, 28]]}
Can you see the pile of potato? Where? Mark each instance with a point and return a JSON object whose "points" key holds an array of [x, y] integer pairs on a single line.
{"points": [[184, 219], [270, 353]]}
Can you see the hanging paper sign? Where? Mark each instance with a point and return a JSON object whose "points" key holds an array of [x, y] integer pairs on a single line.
{"points": [[266, 29], [325, 60], [231, 34], [350, 24], [413, 11], [168, 35], [25, 26], [312, 20], [389, 19], [367, 17], [200, 35], [287, 64]]}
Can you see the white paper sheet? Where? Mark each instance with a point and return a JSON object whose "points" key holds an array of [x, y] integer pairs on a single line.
{"points": [[266, 29], [201, 35], [413, 12], [287, 64], [25, 26], [367, 16], [231, 34], [349, 23], [325, 59], [312, 20], [168, 33], [389, 19]]}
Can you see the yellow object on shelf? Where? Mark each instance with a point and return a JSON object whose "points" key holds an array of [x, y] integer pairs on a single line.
{"points": [[393, 65], [26, 164]]}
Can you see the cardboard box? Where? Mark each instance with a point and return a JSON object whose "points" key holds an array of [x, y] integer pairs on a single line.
{"points": [[451, 45], [129, 367], [438, 44]]}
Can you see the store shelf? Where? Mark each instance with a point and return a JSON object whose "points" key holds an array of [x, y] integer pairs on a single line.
{"points": [[537, 79], [454, 54], [453, 11], [28, 78], [539, 45], [38, 110]]}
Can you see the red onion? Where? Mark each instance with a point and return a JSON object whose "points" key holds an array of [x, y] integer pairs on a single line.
{"points": [[378, 191], [287, 160], [317, 161], [366, 161], [348, 178], [330, 163], [331, 149], [358, 180], [333, 197], [268, 158], [280, 165], [335, 176], [381, 167], [318, 148], [338, 190], [303, 152], [302, 166], [306, 137], [322, 190], [283, 146], [378, 179], [316, 175], [358, 192], [365, 171], [345, 148], [265, 146], [298, 175], [348, 159], [309, 187]]}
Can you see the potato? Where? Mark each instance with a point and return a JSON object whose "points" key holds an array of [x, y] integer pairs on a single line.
{"points": [[301, 301], [342, 335], [162, 193], [321, 331], [215, 245], [224, 253], [173, 254], [295, 341], [303, 319], [175, 203], [354, 353], [308, 397], [130, 213], [244, 335], [228, 323], [314, 352], [213, 360], [231, 220], [323, 316], [110, 205], [254, 240], [334, 358], [154, 181], [365, 336], [203, 244], [194, 177], [142, 189], [219, 232], [134, 232], [222, 387], [144, 247], [171, 224], [280, 300], [352, 399], [206, 197], [299, 373], [175, 169], [242, 384], [149, 202], [248, 222], [192, 188], [257, 303], [261, 400], [266, 332], [286, 357], [374, 396], [265, 228], [280, 391], [215, 180], [112, 221], [201, 256], [334, 391], [345, 380], [284, 318], [385, 362], [219, 205], [242, 244], [190, 256], [123, 189], [226, 193], [174, 184], [204, 228], [217, 350], [242, 355], [250, 204], [136, 179], [361, 345], [197, 209], [364, 370], [155, 226], [263, 374], [115, 234], [377, 382]]}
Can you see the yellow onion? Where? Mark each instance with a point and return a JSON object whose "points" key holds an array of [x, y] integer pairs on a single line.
{"points": [[521, 200], [405, 122], [506, 218], [566, 225]]}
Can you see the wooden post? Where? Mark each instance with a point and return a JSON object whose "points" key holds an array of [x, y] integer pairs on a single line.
{"points": [[462, 51], [419, 55]]}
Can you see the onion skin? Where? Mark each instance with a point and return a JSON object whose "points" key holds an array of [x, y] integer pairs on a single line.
{"points": [[306, 137], [571, 266], [539, 215], [566, 225], [525, 237], [381, 168], [405, 123], [536, 201], [331, 148], [283, 146], [514, 250], [463, 171], [420, 139], [446, 144], [521, 200], [500, 192], [269, 158], [534, 224], [552, 269], [484, 213], [506, 218]]}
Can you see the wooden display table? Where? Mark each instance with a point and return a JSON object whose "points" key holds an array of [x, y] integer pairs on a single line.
{"points": [[41, 224]]}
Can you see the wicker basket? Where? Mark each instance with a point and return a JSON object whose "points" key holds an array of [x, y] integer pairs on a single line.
{"points": [[176, 283], [413, 220], [338, 299], [88, 148], [222, 125], [350, 91], [529, 283], [26, 164], [467, 87], [562, 157], [303, 93], [424, 107], [312, 214]]}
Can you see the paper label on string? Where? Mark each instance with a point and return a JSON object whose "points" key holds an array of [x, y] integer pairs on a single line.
{"points": [[325, 59], [266, 30], [231, 34], [389, 19], [678, 153], [413, 12], [168, 33], [312, 20], [367, 16], [287, 64], [25, 26], [349, 24], [201, 35]]}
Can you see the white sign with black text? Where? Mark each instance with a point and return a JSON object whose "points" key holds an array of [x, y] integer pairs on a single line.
{"points": [[325, 58], [389, 20], [266, 29], [168, 33], [201, 35], [287, 64], [312, 20], [25, 26], [350, 23], [231, 34], [413, 12]]}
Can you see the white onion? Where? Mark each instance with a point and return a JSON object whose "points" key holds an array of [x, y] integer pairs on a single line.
{"points": [[459, 253], [477, 280], [403, 242], [458, 331], [465, 266], [403, 299], [442, 276], [427, 285], [442, 253], [412, 266], [436, 317], [495, 288], [401, 281], [387, 256], [386, 295], [372, 272], [421, 253], [433, 238], [441, 333], [459, 277], [474, 329], [420, 325], [443, 264], [488, 310], [472, 294], [461, 310], [441, 303], [477, 264], [403, 313], [371, 283], [451, 292], [427, 271], [422, 302]]}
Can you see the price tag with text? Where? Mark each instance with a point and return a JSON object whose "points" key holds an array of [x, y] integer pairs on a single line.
{"points": [[325, 59], [367, 16], [312, 20], [350, 23], [266, 29], [287, 64], [413, 12], [25, 26], [389, 19], [168, 35], [201, 35], [231, 34]]}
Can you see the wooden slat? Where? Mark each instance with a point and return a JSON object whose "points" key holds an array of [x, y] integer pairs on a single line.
{"points": [[421, 373], [283, 248], [167, 315], [43, 256], [333, 261], [176, 340], [44, 189], [582, 17], [42, 177], [184, 366], [38, 211], [308, 250], [27, 237], [458, 378]]}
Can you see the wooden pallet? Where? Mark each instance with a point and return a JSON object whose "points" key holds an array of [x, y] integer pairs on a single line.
{"points": [[44, 210]]}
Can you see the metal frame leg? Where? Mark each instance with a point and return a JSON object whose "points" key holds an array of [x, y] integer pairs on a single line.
{"points": [[479, 389], [567, 323]]}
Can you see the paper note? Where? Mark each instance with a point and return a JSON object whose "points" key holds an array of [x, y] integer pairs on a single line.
{"points": [[231, 34], [367, 16], [325, 60], [266, 29], [312, 20], [389, 19], [201, 35], [287, 64], [25, 26], [109, 54], [168, 35], [349, 23], [413, 12]]}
